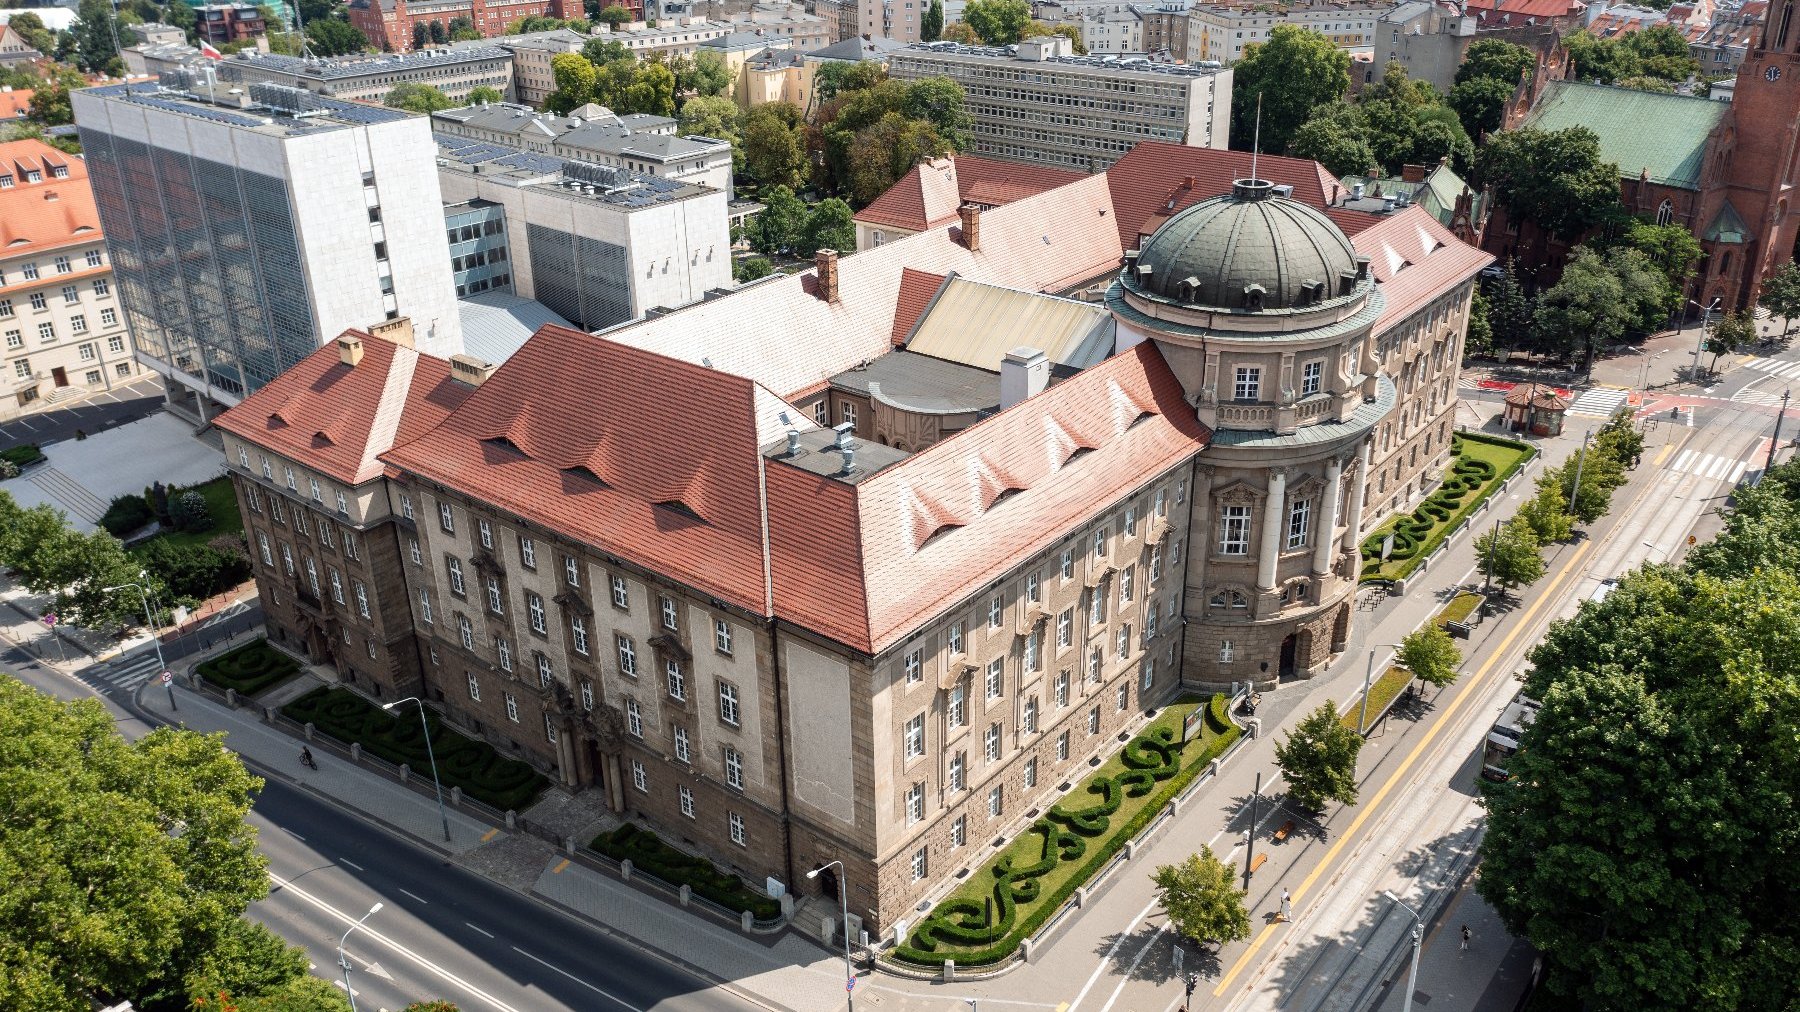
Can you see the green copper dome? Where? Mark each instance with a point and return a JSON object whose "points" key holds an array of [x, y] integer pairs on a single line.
{"points": [[1251, 251]]}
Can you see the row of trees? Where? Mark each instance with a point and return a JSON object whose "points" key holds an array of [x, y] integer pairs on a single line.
{"points": [[425, 98], [788, 227], [994, 23], [1396, 122], [1651, 59], [608, 74], [1647, 843]]}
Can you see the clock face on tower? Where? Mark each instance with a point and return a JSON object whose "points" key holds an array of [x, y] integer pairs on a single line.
{"points": [[1773, 74]]}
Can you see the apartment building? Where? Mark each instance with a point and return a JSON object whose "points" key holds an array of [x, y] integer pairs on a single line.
{"points": [[913, 537], [1166, 30], [532, 80], [393, 26], [221, 24], [598, 245], [1111, 31], [1043, 106], [1219, 32], [59, 311], [636, 143], [368, 78], [249, 226]]}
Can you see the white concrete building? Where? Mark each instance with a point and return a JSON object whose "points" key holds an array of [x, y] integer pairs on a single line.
{"points": [[1043, 106], [592, 133], [244, 236], [1220, 31], [369, 78]]}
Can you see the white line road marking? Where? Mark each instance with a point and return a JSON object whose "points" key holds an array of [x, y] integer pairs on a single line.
{"points": [[369, 932], [415, 896], [295, 835], [603, 993], [1110, 953], [478, 929], [346, 862], [1155, 936]]}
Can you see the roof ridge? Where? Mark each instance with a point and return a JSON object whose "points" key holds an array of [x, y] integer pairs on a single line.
{"points": [[386, 423]]}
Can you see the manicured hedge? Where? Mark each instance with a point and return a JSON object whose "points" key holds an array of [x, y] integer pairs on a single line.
{"points": [[249, 669], [24, 455], [1418, 533], [648, 853], [958, 928], [474, 766]]}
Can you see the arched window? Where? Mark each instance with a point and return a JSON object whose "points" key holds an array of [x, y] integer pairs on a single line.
{"points": [[1665, 213]]}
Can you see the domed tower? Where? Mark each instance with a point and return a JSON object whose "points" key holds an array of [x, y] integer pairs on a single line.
{"points": [[1263, 309]]}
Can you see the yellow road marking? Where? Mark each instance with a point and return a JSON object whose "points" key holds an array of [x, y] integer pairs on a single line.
{"points": [[489, 835], [1667, 449], [1430, 735], [564, 863]]}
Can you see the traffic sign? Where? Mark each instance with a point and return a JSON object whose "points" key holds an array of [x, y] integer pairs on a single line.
{"points": [[167, 677], [850, 984], [49, 619]]}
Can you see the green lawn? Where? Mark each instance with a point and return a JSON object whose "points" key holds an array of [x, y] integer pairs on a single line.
{"points": [[221, 502], [1481, 464], [1077, 838], [1381, 692], [1459, 609]]}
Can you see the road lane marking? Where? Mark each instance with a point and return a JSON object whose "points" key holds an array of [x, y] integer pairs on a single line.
{"points": [[1110, 953], [370, 932], [622, 1003], [560, 865], [414, 895], [478, 929], [1663, 454], [1431, 734], [346, 862], [1155, 936]]}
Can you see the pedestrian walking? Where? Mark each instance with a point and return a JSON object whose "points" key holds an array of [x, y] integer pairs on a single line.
{"points": [[1466, 935], [1287, 906]]}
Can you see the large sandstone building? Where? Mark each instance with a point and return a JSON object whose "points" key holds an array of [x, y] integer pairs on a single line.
{"points": [[861, 563]]}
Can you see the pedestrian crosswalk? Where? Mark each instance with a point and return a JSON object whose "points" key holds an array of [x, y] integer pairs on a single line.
{"points": [[128, 673], [1775, 367], [1599, 402], [1710, 465], [1759, 398]]}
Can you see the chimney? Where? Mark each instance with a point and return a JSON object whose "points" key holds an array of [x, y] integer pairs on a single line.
{"points": [[1024, 372], [398, 331], [469, 370], [350, 350], [825, 262], [971, 226], [846, 444], [1356, 191], [1412, 173], [1187, 182]]}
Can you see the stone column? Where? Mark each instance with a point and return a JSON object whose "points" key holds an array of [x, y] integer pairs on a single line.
{"points": [[1325, 536], [1352, 539], [1272, 528]]}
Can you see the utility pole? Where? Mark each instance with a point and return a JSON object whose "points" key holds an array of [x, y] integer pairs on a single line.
{"points": [[1775, 440], [1488, 581], [1250, 834], [1580, 461]]}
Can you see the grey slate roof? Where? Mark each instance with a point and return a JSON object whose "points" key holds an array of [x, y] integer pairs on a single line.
{"points": [[496, 324]]}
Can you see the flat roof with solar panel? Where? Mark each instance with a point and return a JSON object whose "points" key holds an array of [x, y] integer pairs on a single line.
{"points": [[571, 178], [271, 109]]}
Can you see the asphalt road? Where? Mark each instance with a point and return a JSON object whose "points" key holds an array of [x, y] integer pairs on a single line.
{"points": [[138, 399]]}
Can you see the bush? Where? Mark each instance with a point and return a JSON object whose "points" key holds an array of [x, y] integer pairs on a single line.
{"points": [[189, 512], [648, 853], [24, 455], [249, 669], [8, 469], [474, 766], [126, 514], [192, 572]]}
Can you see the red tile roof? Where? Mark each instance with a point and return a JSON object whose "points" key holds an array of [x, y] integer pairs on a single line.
{"points": [[917, 288], [337, 418], [49, 213], [678, 476], [1414, 260], [1516, 11], [868, 564], [930, 192], [1155, 173], [15, 103]]}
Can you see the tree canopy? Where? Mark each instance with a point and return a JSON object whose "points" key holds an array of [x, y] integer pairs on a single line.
{"points": [[1295, 72], [704, 74], [331, 37], [1319, 759], [1658, 52], [998, 22], [1430, 654], [96, 36], [774, 144], [1509, 554], [931, 23], [867, 138], [1781, 295], [1552, 177], [415, 97], [1201, 898]]}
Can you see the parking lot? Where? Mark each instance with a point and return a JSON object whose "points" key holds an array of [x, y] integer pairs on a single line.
{"points": [[137, 399]]}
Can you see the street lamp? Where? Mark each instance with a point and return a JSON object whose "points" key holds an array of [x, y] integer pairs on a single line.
{"points": [[1418, 935], [432, 758], [1644, 380], [154, 638], [344, 962], [1369, 676], [843, 892], [1705, 321]]}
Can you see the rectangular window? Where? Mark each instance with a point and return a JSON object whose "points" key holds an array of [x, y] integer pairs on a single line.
{"points": [[1031, 772], [722, 636], [634, 718], [915, 803], [849, 413], [468, 632], [1099, 542], [587, 696], [1130, 521], [1031, 587], [996, 610], [362, 599], [996, 672], [921, 864], [110, 318], [1124, 696], [1146, 673], [996, 801], [1234, 530], [1299, 519], [578, 634], [528, 552], [512, 708], [676, 678], [991, 742], [78, 324], [1029, 716], [681, 744], [959, 831], [1068, 563], [474, 687], [913, 736], [1062, 747], [1032, 650], [535, 605], [1248, 384], [62, 265], [621, 597], [1062, 688], [687, 801], [262, 542], [1125, 641], [1312, 377], [14, 339], [627, 657], [1127, 577], [956, 638], [406, 506], [734, 768], [412, 549], [728, 703], [669, 615], [93, 258], [959, 776], [549, 729], [454, 565], [46, 333], [1094, 720], [487, 533], [1097, 604], [915, 667], [1065, 627], [953, 710], [495, 600], [639, 778], [505, 650], [572, 570], [446, 517], [424, 595]]}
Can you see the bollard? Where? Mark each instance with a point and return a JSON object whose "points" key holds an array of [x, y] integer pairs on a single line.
{"points": [[1025, 949], [687, 893], [268, 714], [787, 906], [949, 971], [512, 819], [625, 869], [827, 929], [405, 773], [1212, 769], [1081, 897], [356, 752], [231, 698], [456, 797], [1130, 849], [309, 731], [569, 845], [745, 921]]}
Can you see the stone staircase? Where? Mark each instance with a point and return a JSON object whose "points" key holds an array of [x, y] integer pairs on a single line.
{"points": [[70, 493]]}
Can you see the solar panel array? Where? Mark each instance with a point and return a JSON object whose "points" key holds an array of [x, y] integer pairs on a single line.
{"points": [[196, 110]]}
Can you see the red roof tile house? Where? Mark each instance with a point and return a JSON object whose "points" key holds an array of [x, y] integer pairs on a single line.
{"points": [[859, 564], [929, 194]]}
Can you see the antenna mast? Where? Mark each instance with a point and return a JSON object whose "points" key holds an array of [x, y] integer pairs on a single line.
{"points": [[1256, 138]]}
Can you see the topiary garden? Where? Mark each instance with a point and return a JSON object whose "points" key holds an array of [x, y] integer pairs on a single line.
{"points": [[474, 766], [1030, 880], [249, 669], [1480, 463], [648, 853]]}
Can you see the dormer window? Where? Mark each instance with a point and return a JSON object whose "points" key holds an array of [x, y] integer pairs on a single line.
{"points": [[1253, 297]]}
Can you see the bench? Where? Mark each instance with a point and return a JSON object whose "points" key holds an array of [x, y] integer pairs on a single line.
{"points": [[1286, 830], [1257, 862]]}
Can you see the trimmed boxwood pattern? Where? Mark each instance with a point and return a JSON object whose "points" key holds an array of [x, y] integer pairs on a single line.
{"points": [[249, 669], [959, 929], [648, 853], [474, 766], [1417, 533]]}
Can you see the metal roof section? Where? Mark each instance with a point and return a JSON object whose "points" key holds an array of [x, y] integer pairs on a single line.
{"points": [[976, 324], [336, 68], [496, 324], [1663, 136], [573, 178], [1727, 226], [266, 108], [922, 384]]}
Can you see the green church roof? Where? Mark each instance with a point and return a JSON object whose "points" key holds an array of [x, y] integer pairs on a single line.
{"points": [[1639, 131]]}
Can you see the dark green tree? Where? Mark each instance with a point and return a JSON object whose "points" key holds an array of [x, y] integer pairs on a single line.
{"points": [[415, 97], [705, 74], [880, 154], [939, 101], [96, 39], [998, 22], [774, 147], [1729, 333], [331, 37], [484, 94], [782, 224], [931, 25], [1318, 759], [1511, 312], [462, 29], [751, 269], [1479, 339], [1336, 137], [438, 35], [1494, 59], [1554, 178], [1431, 655], [1202, 899], [1510, 555], [830, 226], [1295, 72], [419, 35], [1547, 512], [614, 15], [31, 28], [1479, 104], [1781, 296]]}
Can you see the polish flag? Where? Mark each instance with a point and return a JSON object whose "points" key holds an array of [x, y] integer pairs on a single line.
{"points": [[209, 52]]}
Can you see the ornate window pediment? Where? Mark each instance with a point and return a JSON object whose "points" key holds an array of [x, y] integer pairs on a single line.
{"points": [[1228, 599], [1237, 493]]}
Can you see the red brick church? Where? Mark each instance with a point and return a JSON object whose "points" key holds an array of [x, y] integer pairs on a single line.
{"points": [[1725, 170]]}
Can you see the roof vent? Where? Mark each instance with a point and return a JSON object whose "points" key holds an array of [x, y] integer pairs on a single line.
{"points": [[846, 435], [1356, 192], [793, 442], [350, 350]]}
